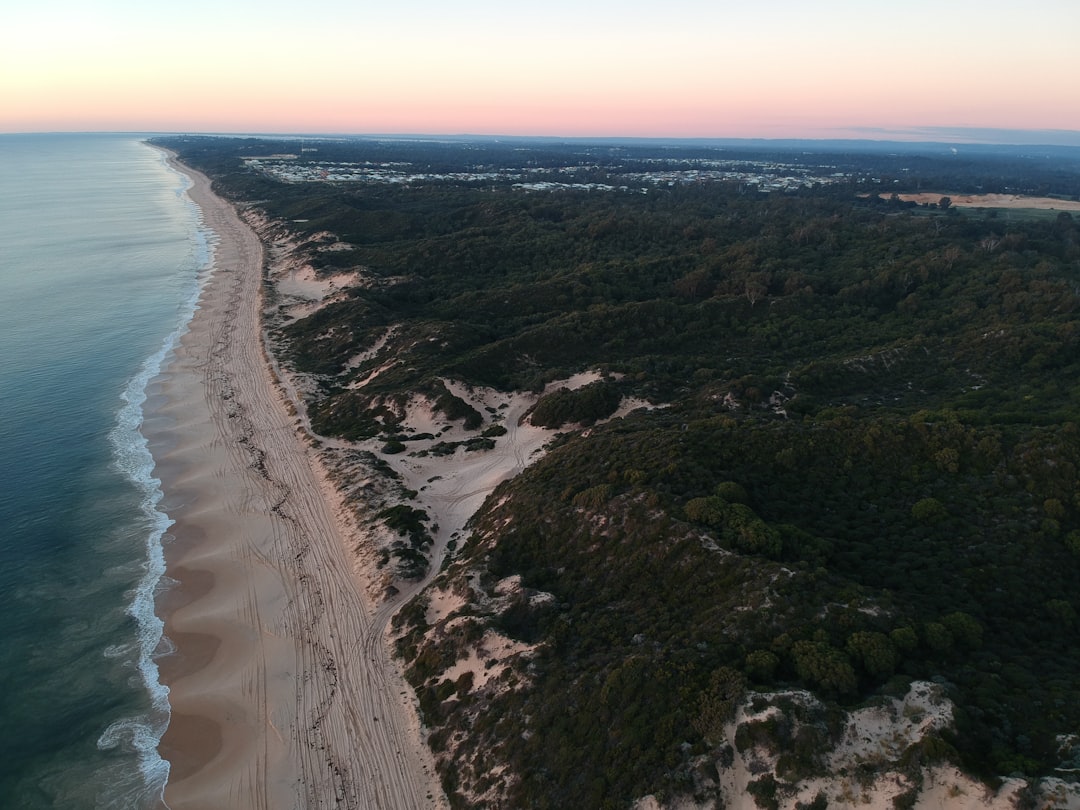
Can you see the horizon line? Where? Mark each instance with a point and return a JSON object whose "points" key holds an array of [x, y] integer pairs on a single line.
{"points": [[945, 136]]}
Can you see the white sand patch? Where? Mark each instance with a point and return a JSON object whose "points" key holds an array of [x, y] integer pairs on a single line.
{"points": [[452, 487], [679, 803], [355, 384], [1060, 794], [302, 282], [508, 586], [883, 732], [750, 764], [302, 293], [300, 290], [948, 788], [628, 406], [420, 417], [370, 354], [452, 482], [864, 768], [441, 604], [471, 663], [489, 659], [335, 247], [575, 382]]}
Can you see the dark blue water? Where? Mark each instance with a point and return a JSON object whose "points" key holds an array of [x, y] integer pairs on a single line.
{"points": [[101, 256]]}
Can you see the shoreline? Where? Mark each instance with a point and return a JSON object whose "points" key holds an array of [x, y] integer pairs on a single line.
{"points": [[282, 689]]}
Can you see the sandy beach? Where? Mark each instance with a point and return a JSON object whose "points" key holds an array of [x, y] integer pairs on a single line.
{"points": [[282, 688]]}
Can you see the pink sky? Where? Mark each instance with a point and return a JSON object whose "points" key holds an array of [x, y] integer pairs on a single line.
{"points": [[779, 69]]}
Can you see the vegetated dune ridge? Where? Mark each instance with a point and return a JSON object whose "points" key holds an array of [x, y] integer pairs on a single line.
{"points": [[282, 690], [447, 486]]}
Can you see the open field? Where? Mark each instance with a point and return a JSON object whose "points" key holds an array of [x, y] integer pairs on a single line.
{"points": [[1011, 201]]}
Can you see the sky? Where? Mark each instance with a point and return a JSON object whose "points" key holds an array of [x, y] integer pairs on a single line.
{"points": [[681, 68]]}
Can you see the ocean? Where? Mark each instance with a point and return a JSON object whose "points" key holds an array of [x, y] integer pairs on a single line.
{"points": [[101, 261]]}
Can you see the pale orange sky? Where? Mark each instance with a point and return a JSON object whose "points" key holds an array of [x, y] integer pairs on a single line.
{"points": [[774, 68]]}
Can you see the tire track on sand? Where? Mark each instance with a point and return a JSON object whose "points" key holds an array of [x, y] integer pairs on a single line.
{"points": [[316, 725]]}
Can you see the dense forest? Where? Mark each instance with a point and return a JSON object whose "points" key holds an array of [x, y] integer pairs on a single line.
{"points": [[864, 469]]}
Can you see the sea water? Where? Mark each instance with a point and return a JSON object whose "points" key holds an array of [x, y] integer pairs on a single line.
{"points": [[101, 258]]}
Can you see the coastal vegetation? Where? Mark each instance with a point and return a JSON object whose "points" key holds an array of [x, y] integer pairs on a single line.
{"points": [[861, 468]]}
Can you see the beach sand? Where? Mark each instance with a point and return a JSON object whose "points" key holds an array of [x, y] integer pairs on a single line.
{"points": [[282, 688]]}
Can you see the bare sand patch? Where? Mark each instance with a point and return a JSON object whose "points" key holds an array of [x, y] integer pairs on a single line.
{"points": [[866, 766], [994, 201], [303, 282], [452, 487], [441, 604], [487, 660]]}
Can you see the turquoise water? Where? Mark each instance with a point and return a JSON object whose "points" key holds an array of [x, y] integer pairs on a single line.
{"points": [[101, 257]]}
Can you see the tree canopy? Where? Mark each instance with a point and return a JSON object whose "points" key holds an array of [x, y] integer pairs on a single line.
{"points": [[865, 469]]}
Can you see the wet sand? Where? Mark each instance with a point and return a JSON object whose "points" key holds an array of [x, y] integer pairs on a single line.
{"points": [[282, 690]]}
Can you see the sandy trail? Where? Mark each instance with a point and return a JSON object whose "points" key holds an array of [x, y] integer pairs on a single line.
{"points": [[282, 688]]}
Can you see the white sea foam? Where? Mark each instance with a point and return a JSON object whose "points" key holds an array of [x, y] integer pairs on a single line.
{"points": [[141, 735]]}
